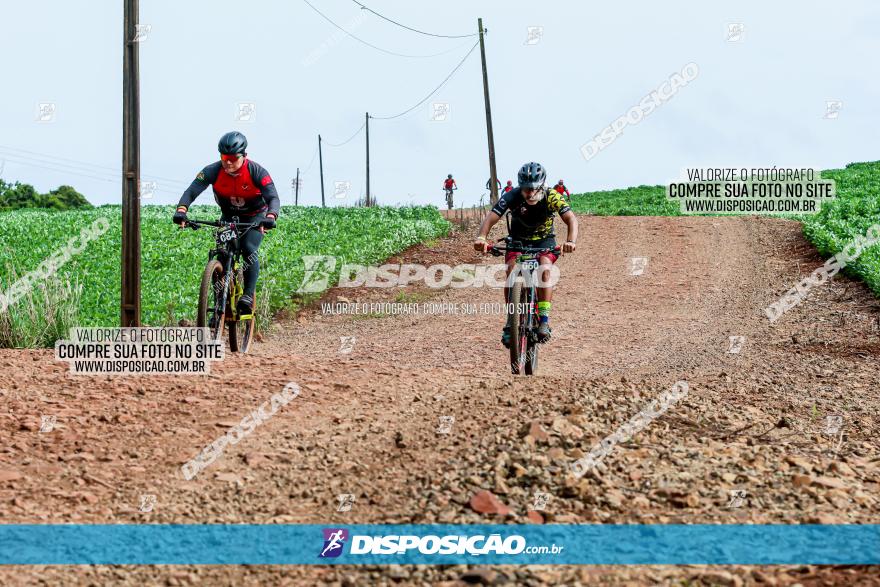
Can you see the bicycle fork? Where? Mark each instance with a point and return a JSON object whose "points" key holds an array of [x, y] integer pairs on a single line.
{"points": [[532, 302], [223, 299], [237, 292], [237, 289]]}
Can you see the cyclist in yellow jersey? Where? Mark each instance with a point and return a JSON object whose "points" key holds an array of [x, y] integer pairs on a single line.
{"points": [[532, 208]]}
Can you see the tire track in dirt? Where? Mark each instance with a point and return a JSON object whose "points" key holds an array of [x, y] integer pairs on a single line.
{"points": [[366, 422], [602, 321]]}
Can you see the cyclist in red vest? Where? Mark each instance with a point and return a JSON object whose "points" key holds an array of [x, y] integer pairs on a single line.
{"points": [[242, 188], [448, 187], [508, 187], [562, 190]]}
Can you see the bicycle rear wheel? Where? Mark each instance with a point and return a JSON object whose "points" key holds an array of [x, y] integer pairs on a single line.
{"points": [[211, 297], [518, 328]]}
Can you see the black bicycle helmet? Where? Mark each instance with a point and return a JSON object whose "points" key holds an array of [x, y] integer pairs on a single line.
{"points": [[532, 175], [232, 143], [449, 176]]}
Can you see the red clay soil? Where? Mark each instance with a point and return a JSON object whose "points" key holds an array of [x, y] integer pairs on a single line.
{"points": [[418, 413]]}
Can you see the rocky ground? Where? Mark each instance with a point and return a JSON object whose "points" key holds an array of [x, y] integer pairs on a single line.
{"points": [[418, 418]]}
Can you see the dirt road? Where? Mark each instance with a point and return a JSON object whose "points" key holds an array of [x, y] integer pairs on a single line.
{"points": [[413, 414]]}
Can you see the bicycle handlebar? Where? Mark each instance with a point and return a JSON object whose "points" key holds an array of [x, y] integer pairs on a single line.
{"points": [[497, 250], [196, 224]]}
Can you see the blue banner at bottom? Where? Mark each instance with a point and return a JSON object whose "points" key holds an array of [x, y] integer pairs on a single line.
{"points": [[429, 544]]}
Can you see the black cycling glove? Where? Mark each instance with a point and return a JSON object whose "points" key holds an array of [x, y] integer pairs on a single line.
{"points": [[268, 222]]}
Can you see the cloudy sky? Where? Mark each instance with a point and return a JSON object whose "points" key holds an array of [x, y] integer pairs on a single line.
{"points": [[766, 74]]}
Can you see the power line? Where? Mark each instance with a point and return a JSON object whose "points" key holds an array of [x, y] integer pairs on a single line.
{"points": [[89, 170], [61, 167], [410, 28], [75, 164], [312, 162], [348, 140], [16, 150], [358, 39], [434, 91], [61, 170], [43, 165]]}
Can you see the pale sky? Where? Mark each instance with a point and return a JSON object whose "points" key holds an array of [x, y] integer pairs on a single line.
{"points": [[757, 101]]}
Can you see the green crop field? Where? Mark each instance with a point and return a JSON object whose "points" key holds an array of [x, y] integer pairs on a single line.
{"points": [[856, 208], [644, 200], [173, 259]]}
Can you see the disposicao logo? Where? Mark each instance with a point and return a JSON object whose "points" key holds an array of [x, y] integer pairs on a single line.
{"points": [[334, 541]]}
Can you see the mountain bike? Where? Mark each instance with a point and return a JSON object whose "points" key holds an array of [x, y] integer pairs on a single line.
{"points": [[522, 304], [223, 284], [449, 196]]}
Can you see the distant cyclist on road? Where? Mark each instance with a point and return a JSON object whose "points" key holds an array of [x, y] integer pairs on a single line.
{"points": [[448, 187], [562, 190], [508, 187], [531, 207], [489, 184], [242, 188]]}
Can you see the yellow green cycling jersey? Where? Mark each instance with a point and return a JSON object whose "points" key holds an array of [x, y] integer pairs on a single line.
{"points": [[531, 222]]}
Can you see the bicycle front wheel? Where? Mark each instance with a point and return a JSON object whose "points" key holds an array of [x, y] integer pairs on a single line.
{"points": [[212, 300], [518, 328], [531, 363], [240, 334]]}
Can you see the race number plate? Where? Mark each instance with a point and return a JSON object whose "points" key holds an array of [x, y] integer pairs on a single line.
{"points": [[226, 235], [530, 264]]}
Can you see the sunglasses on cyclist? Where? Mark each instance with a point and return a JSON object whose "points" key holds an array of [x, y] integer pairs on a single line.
{"points": [[533, 195], [230, 158]]}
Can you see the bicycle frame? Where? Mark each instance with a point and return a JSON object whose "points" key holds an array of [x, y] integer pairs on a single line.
{"points": [[228, 252], [527, 270], [448, 193], [524, 355], [528, 275]]}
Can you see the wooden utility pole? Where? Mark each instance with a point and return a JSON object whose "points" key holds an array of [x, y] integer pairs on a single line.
{"points": [[296, 192], [368, 160], [130, 309], [321, 163], [492, 173]]}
